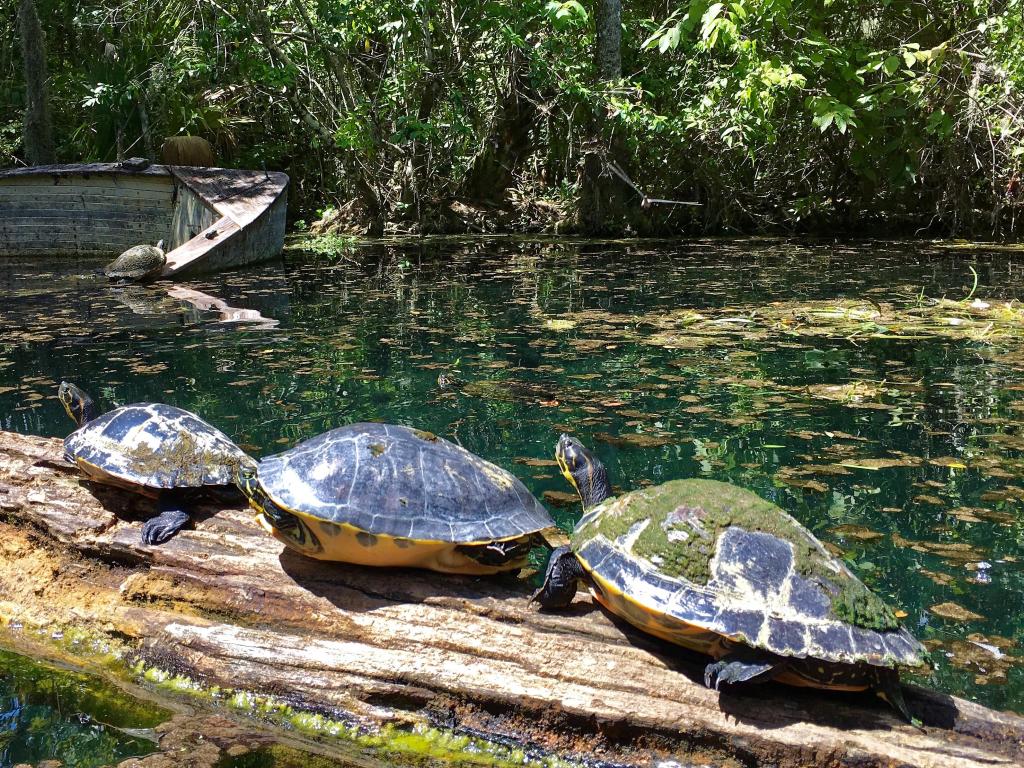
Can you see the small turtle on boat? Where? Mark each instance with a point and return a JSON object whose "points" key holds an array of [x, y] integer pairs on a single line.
{"points": [[383, 494], [154, 449], [134, 164], [138, 263], [719, 570]]}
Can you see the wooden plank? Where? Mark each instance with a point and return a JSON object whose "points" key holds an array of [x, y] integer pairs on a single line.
{"points": [[97, 193], [31, 202], [98, 216], [195, 249], [135, 234], [154, 169], [106, 248], [161, 185], [83, 219]]}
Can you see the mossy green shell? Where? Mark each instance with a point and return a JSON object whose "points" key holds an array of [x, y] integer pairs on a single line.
{"points": [[397, 481], [721, 558]]}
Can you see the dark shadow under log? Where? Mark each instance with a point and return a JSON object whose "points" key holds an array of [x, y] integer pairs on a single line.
{"points": [[225, 604]]}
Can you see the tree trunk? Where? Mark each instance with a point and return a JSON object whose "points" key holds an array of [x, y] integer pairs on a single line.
{"points": [[147, 137], [38, 131], [601, 200], [224, 604], [608, 48], [510, 137]]}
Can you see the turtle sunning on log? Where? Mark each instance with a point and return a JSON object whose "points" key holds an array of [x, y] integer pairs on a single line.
{"points": [[719, 570], [154, 449], [138, 264], [384, 494]]}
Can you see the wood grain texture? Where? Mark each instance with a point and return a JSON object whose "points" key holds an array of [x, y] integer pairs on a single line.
{"points": [[224, 603], [209, 218]]}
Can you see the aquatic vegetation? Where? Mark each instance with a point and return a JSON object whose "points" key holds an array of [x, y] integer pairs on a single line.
{"points": [[763, 364], [53, 713]]}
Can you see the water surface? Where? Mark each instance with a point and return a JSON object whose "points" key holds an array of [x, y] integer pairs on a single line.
{"points": [[892, 434], [50, 713]]}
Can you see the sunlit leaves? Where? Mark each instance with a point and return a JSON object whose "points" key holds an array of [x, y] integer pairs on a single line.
{"points": [[566, 14], [828, 111]]}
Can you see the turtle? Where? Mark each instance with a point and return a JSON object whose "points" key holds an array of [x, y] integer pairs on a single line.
{"points": [[154, 449], [134, 164], [717, 569], [392, 495], [138, 264]]}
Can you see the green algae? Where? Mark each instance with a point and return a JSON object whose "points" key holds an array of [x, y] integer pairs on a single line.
{"points": [[418, 744], [409, 745], [686, 518], [50, 711]]}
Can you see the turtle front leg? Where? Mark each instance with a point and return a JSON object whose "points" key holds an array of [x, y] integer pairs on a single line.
{"points": [[172, 518], [887, 687], [560, 578], [740, 667]]}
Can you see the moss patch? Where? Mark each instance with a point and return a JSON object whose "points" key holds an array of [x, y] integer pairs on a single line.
{"points": [[686, 518], [419, 745]]}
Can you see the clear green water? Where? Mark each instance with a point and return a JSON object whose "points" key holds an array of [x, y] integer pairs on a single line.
{"points": [[601, 339], [48, 713]]}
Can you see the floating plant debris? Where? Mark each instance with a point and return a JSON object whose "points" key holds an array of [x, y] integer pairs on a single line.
{"points": [[829, 378], [951, 610]]}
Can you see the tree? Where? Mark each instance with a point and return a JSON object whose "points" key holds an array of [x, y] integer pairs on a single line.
{"points": [[38, 130], [608, 45], [599, 193]]}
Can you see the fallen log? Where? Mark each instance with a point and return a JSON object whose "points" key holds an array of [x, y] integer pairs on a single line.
{"points": [[226, 605]]}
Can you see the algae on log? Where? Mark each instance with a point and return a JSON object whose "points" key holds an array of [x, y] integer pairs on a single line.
{"points": [[227, 605]]}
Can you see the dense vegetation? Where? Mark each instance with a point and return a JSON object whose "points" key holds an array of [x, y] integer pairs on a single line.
{"points": [[776, 114]]}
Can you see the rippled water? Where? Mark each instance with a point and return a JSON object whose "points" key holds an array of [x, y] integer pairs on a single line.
{"points": [[828, 378], [49, 713]]}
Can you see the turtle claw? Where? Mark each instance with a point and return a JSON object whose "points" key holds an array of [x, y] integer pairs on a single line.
{"points": [[560, 578], [159, 529], [730, 671], [888, 688]]}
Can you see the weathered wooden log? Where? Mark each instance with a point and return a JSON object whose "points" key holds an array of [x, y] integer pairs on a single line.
{"points": [[225, 604]]}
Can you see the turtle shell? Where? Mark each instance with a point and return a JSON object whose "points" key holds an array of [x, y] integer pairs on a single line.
{"points": [[397, 481], [156, 446], [137, 263], [707, 556]]}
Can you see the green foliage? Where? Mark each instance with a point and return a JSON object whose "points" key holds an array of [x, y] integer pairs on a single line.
{"points": [[774, 113], [804, 110]]}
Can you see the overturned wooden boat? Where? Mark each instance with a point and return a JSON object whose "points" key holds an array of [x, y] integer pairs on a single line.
{"points": [[210, 218]]}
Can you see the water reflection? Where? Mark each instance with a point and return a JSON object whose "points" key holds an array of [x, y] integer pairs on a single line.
{"points": [[48, 713], [827, 378], [204, 302]]}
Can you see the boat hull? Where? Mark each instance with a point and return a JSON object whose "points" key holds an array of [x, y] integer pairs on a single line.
{"points": [[209, 218]]}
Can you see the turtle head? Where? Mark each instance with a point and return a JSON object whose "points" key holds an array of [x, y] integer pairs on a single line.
{"points": [[284, 526], [584, 470], [77, 403], [247, 481]]}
